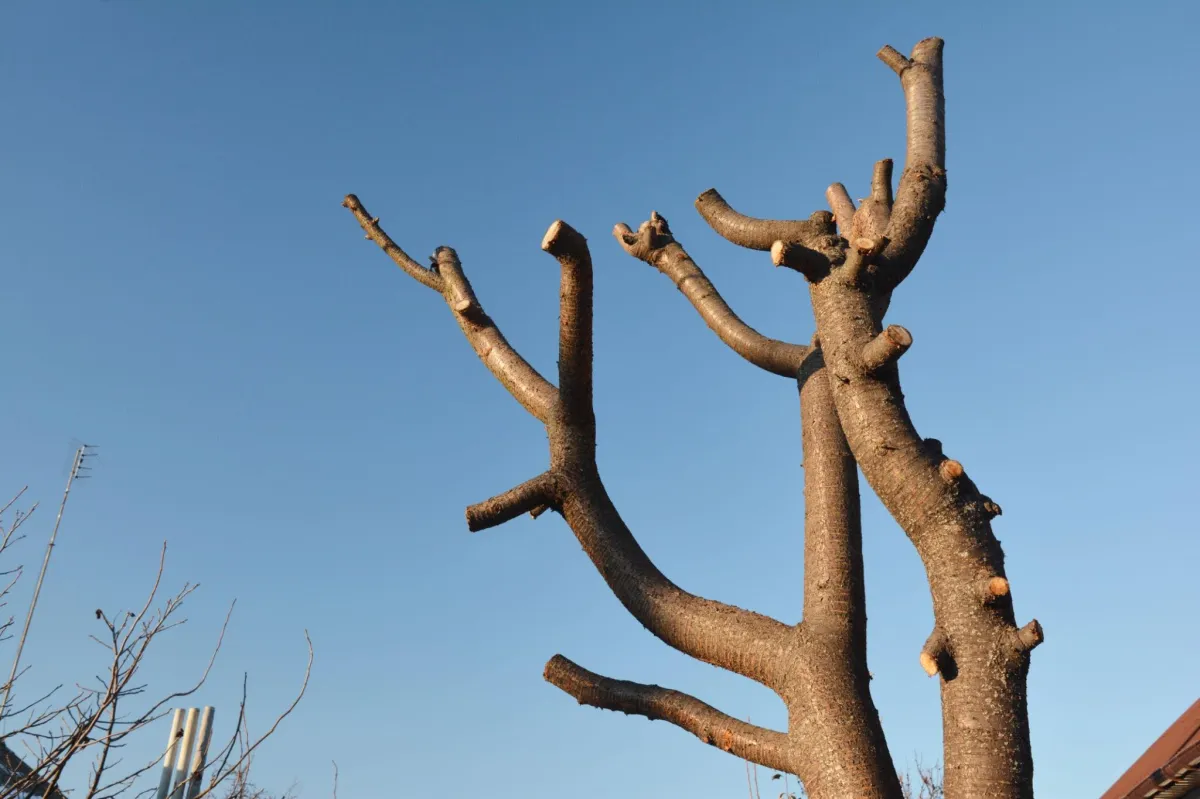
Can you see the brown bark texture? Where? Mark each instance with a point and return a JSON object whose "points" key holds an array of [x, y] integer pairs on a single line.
{"points": [[853, 417]]}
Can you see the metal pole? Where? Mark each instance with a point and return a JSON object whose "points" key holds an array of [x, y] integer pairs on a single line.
{"points": [[168, 767], [185, 753], [37, 589], [203, 738]]}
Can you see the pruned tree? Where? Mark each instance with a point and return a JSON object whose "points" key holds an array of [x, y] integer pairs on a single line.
{"points": [[853, 413]]}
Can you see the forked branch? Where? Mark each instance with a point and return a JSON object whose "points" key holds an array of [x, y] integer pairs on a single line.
{"points": [[742, 739], [370, 224], [743, 642], [975, 646], [529, 388]]}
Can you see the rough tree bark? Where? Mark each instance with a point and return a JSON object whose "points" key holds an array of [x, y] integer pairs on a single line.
{"points": [[852, 412]]}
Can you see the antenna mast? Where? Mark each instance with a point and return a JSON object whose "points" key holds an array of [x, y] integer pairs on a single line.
{"points": [[76, 467]]}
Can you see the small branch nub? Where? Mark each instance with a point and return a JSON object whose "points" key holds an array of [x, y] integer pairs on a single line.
{"points": [[870, 248], [1030, 636], [893, 58], [863, 252], [993, 588], [990, 508], [950, 470], [934, 652], [564, 241], [810, 263], [885, 349]]}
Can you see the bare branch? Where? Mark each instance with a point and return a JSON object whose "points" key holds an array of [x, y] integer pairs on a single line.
{"points": [[654, 244], [834, 592], [218, 778], [817, 232], [456, 288], [574, 325], [842, 207], [894, 59], [756, 744], [529, 497], [735, 639], [375, 233], [930, 496], [881, 182], [922, 193], [744, 642], [524, 382], [874, 212]]}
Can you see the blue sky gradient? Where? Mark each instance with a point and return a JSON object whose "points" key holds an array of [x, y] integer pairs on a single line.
{"points": [[305, 424]]}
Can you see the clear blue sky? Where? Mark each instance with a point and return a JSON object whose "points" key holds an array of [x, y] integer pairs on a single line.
{"points": [[305, 424]]}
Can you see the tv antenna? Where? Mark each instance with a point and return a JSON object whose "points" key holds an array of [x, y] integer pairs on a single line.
{"points": [[78, 470]]}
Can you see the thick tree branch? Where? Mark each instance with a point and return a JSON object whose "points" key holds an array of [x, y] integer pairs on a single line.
{"points": [[922, 193], [654, 244], [816, 233], [524, 382], [834, 593], [738, 640], [832, 696], [532, 497], [735, 639], [977, 648], [741, 739], [939, 508]]}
